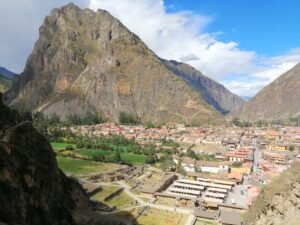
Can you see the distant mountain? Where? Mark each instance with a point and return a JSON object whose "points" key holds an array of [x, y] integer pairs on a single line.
{"points": [[5, 72], [278, 100], [89, 61], [246, 98], [214, 93]]}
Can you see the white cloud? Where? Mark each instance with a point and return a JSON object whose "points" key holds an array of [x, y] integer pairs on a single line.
{"points": [[267, 71], [19, 25]]}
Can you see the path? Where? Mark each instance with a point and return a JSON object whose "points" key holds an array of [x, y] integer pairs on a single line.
{"points": [[143, 203]]}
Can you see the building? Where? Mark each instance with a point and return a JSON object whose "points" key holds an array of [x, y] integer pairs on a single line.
{"points": [[240, 155], [275, 157], [277, 147], [212, 167]]}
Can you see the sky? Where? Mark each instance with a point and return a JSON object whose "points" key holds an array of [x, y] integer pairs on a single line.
{"points": [[244, 45]]}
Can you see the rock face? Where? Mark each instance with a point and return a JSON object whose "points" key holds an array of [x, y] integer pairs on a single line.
{"points": [[85, 60], [279, 203], [32, 188], [278, 100], [214, 93]]}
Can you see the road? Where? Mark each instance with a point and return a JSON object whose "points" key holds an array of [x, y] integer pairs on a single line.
{"points": [[257, 157]]}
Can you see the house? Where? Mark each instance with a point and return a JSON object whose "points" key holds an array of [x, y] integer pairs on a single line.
{"points": [[275, 157], [188, 164], [240, 155], [236, 177], [272, 135], [212, 167], [277, 147]]}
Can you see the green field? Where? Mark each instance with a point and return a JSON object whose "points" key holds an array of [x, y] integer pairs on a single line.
{"points": [[120, 201], [90, 153], [127, 157], [60, 146], [82, 167], [133, 158]]}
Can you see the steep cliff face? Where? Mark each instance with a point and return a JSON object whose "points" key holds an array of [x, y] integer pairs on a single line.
{"points": [[214, 93], [278, 100], [32, 188], [87, 60], [279, 203]]}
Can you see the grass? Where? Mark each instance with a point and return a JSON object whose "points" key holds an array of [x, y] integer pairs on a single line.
{"points": [[127, 157], [106, 191], [60, 146], [82, 167], [131, 158], [205, 222], [120, 201]]}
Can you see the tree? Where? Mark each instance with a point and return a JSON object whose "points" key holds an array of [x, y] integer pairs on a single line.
{"points": [[237, 164], [291, 148], [190, 153], [150, 159], [127, 118], [118, 156], [168, 164]]}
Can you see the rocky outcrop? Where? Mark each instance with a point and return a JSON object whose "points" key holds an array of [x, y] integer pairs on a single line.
{"points": [[279, 203], [32, 188], [214, 93], [89, 61], [278, 100]]}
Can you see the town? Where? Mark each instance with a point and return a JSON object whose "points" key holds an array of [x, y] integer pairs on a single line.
{"points": [[214, 175]]}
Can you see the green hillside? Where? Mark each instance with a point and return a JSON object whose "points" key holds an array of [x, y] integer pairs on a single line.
{"points": [[5, 83]]}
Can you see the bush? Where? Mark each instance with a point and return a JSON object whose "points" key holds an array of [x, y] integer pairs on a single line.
{"points": [[127, 118], [69, 147]]}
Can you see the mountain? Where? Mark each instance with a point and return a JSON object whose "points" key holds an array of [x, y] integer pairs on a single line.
{"points": [[5, 72], [89, 61], [278, 100], [279, 202], [32, 188], [214, 93]]}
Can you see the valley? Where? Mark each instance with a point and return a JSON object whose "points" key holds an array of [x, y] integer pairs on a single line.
{"points": [[149, 113]]}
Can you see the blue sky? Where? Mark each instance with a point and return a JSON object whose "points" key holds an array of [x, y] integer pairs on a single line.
{"points": [[242, 44], [268, 27]]}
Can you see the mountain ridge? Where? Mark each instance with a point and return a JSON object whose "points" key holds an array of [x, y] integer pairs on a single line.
{"points": [[214, 93], [278, 100], [89, 61]]}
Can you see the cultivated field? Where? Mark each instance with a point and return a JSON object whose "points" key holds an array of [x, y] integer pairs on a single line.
{"points": [[82, 167]]}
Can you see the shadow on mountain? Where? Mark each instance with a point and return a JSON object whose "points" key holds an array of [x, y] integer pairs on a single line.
{"points": [[33, 190]]}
